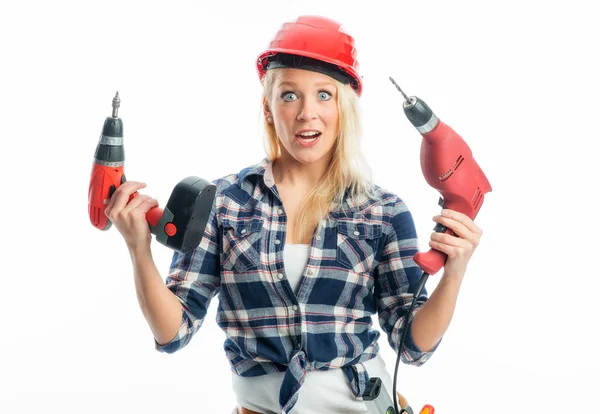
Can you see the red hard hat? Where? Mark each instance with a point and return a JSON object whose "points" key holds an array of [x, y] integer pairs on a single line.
{"points": [[313, 43]]}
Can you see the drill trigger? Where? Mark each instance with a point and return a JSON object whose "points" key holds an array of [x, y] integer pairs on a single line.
{"points": [[440, 228]]}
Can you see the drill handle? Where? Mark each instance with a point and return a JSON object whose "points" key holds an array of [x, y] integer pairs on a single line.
{"points": [[153, 217], [433, 260]]}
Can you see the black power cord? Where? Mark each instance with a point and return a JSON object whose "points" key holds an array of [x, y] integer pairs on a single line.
{"points": [[420, 287]]}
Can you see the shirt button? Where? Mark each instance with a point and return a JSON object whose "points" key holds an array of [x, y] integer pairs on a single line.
{"points": [[295, 308], [280, 211], [243, 231], [356, 233], [318, 237], [310, 272], [277, 241], [280, 276]]}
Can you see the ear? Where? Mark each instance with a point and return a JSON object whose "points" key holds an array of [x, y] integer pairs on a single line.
{"points": [[266, 110]]}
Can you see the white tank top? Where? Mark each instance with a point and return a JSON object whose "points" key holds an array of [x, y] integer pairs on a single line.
{"points": [[322, 391]]}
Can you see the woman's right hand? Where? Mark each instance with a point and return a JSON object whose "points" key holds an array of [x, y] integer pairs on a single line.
{"points": [[129, 217]]}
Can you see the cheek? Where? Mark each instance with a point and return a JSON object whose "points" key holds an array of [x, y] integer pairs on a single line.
{"points": [[283, 114], [331, 117], [285, 121], [330, 109]]}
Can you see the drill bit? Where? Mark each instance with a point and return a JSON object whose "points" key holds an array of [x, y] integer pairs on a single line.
{"points": [[116, 103], [401, 91]]}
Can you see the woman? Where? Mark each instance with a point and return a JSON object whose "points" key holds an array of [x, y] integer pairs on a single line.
{"points": [[302, 248]]}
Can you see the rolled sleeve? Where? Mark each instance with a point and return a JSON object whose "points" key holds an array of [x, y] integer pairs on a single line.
{"points": [[397, 277], [183, 336], [195, 279]]}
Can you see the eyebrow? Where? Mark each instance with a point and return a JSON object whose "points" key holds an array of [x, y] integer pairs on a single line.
{"points": [[317, 85]]}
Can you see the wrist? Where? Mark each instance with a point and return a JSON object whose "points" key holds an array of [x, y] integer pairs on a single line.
{"points": [[140, 252], [453, 276]]}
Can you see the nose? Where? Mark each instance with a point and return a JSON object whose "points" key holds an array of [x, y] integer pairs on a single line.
{"points": [[308, 110]]}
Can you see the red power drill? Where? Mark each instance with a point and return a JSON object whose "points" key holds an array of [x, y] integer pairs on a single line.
{"points": [[180, 225], [448, 166]]}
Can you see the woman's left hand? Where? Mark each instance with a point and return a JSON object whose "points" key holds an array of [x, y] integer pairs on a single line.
{"points": [[459, 248]]}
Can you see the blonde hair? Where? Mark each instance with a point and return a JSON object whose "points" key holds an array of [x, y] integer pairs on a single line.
{"points": [[348, 168]]}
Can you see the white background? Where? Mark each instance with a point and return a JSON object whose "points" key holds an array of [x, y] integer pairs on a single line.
{"points": [[518, 80]]}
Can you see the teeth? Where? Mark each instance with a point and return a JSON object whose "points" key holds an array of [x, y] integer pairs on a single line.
{"points": [[309, 134]]}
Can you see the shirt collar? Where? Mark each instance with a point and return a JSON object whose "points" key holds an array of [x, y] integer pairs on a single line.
{"points": [[265, 169]]}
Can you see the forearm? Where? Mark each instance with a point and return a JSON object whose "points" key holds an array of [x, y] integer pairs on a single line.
{"points": [[161, 308], [432, 320]]}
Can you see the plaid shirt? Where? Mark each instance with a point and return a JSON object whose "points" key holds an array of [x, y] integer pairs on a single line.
{"points": [[361, 263]]}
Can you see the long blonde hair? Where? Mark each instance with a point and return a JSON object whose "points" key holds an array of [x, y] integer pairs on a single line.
{"points": [[348, 168]]}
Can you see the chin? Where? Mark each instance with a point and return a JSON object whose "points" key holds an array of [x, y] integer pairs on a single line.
{"points": [[309, 159]]}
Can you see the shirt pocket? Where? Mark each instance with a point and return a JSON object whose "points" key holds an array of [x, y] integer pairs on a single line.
{"points": [[241, 244], [357, 245]]}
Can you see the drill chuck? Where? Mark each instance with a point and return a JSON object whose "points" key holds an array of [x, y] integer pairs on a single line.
{"points": [[110, 151], [112, 131], [420, 115], [417, 112]]}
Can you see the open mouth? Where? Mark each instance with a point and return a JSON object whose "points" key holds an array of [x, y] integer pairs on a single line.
{"points": [[308, 136]]}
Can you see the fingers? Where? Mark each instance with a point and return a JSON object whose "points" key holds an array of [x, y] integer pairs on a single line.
{"points": [[140, 205], [466, 231], [120, 197], [461, 218], [461, 224], [448, 239], [460, 248]]}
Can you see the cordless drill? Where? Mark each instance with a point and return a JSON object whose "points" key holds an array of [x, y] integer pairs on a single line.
{"points": [[448, 166], [180, 225]]}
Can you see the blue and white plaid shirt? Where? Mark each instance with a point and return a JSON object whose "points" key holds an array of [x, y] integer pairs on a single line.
{"points": [[361, 263]]}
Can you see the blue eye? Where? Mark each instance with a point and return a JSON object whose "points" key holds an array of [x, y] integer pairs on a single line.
{"points": [[324, 95], [288, 96]]}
